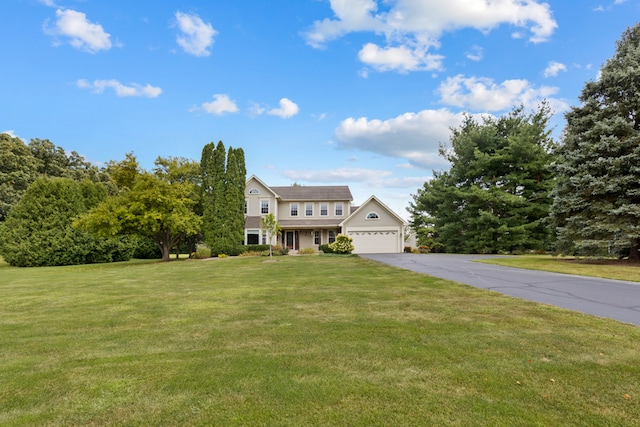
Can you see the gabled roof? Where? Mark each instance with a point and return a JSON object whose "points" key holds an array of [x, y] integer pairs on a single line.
{"points": [[365, 206], [315, 192], [255, 178]]}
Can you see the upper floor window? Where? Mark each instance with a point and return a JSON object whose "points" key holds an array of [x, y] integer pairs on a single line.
{"points": [[254, 191], [339, 209], [294, 209], [373, 215], [246, 206], [308, 209], [324, 209], [264, 206]]}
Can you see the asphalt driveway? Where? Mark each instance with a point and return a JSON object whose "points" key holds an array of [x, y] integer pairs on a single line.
{"points": [[615, 299]]}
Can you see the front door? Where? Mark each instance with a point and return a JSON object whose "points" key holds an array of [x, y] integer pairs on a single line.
{"points": [[289, 235]]}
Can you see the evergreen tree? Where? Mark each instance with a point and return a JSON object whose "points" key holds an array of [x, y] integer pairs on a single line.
{"points": [[223, 180], [212, 165], [596, 206], [38, 230], [494, 198]]}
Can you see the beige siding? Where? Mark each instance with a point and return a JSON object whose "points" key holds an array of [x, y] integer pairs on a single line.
{"points": [[255, 200], [385, 218]]}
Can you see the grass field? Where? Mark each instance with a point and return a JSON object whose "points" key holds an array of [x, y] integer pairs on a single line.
{"points": [[314, 340], [608, 269]]}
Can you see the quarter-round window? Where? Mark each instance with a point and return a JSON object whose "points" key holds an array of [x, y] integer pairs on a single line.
{"points": [[254, 191], [372, 215]]}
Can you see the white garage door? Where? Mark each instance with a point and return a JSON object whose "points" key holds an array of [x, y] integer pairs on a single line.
{"points": [[374, 242]]}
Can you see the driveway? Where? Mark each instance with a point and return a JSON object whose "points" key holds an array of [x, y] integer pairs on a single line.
{"points": [[615, 299]]}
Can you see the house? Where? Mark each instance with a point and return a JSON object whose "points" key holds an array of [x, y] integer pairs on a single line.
{"points": [[313, 215]]}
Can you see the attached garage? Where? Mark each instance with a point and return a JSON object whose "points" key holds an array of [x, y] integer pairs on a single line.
{"points": [[375, 228], [375, 242]]}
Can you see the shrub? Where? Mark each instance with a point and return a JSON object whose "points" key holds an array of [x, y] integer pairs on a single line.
{"points": [[229, 250], [276, 250], [223, 256], [146, 248], [325, 249], [255, 248], [307, 251], [251, 253], [39, 230], [203, 251], [342, 245], [408, 249]]}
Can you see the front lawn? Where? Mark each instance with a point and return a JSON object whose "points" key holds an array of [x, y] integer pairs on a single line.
{"points": [[321, 340], [607, 269]]}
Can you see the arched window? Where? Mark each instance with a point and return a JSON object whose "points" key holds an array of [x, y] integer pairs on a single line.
{"points": [[373, 215], [254, 191]]}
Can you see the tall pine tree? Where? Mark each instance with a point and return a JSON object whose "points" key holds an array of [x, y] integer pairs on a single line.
{"points": [[495, 195], [596, 206]]}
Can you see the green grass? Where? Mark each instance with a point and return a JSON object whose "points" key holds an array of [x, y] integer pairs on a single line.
{"points": [[607, 269], [323, 340]]}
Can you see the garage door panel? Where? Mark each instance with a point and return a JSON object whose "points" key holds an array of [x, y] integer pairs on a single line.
{"points": [[372, 242]]}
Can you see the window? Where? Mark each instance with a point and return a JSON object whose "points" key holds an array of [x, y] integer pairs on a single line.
{"points": [[308, 209], [264, 206], [372, 215], [253, 237], [339, 209], [246, 206], [332, 236], [316, 237], [294, 209], [264, 237], [324, 209], [254, 191]]}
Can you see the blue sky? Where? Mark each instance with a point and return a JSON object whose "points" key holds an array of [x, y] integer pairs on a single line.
{"points": [[318, 92]]}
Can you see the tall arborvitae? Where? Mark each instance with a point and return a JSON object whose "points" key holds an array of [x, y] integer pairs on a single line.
{"points": [[235, 195], [223, 179], [596, 206], [212, 165]]}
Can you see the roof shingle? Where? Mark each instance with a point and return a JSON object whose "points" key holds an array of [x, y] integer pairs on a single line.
{"points": [[316, 193]]}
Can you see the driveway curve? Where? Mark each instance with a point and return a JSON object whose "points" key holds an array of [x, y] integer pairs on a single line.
{"points": [[614, 299]]}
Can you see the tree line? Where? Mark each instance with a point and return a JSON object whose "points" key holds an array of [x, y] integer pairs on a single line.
{"points": [[58, 209], [511, 188]]}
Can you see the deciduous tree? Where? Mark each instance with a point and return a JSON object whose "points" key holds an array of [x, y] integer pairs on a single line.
{"points": [[18, 169], [153, 208]]}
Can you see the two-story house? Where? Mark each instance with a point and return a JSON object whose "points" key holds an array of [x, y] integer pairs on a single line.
{"points": [[313, 215]]}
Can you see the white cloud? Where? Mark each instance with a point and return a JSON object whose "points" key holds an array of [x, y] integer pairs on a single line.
{"points": [[401, 58], [134, 89], [49, 3], [340, 175], [196, 36], [553, 68], [286, 110], [220, 105], [412, 27], [475, 53], [11, 133], [83, 34], [415, 137], [483, 94]]}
